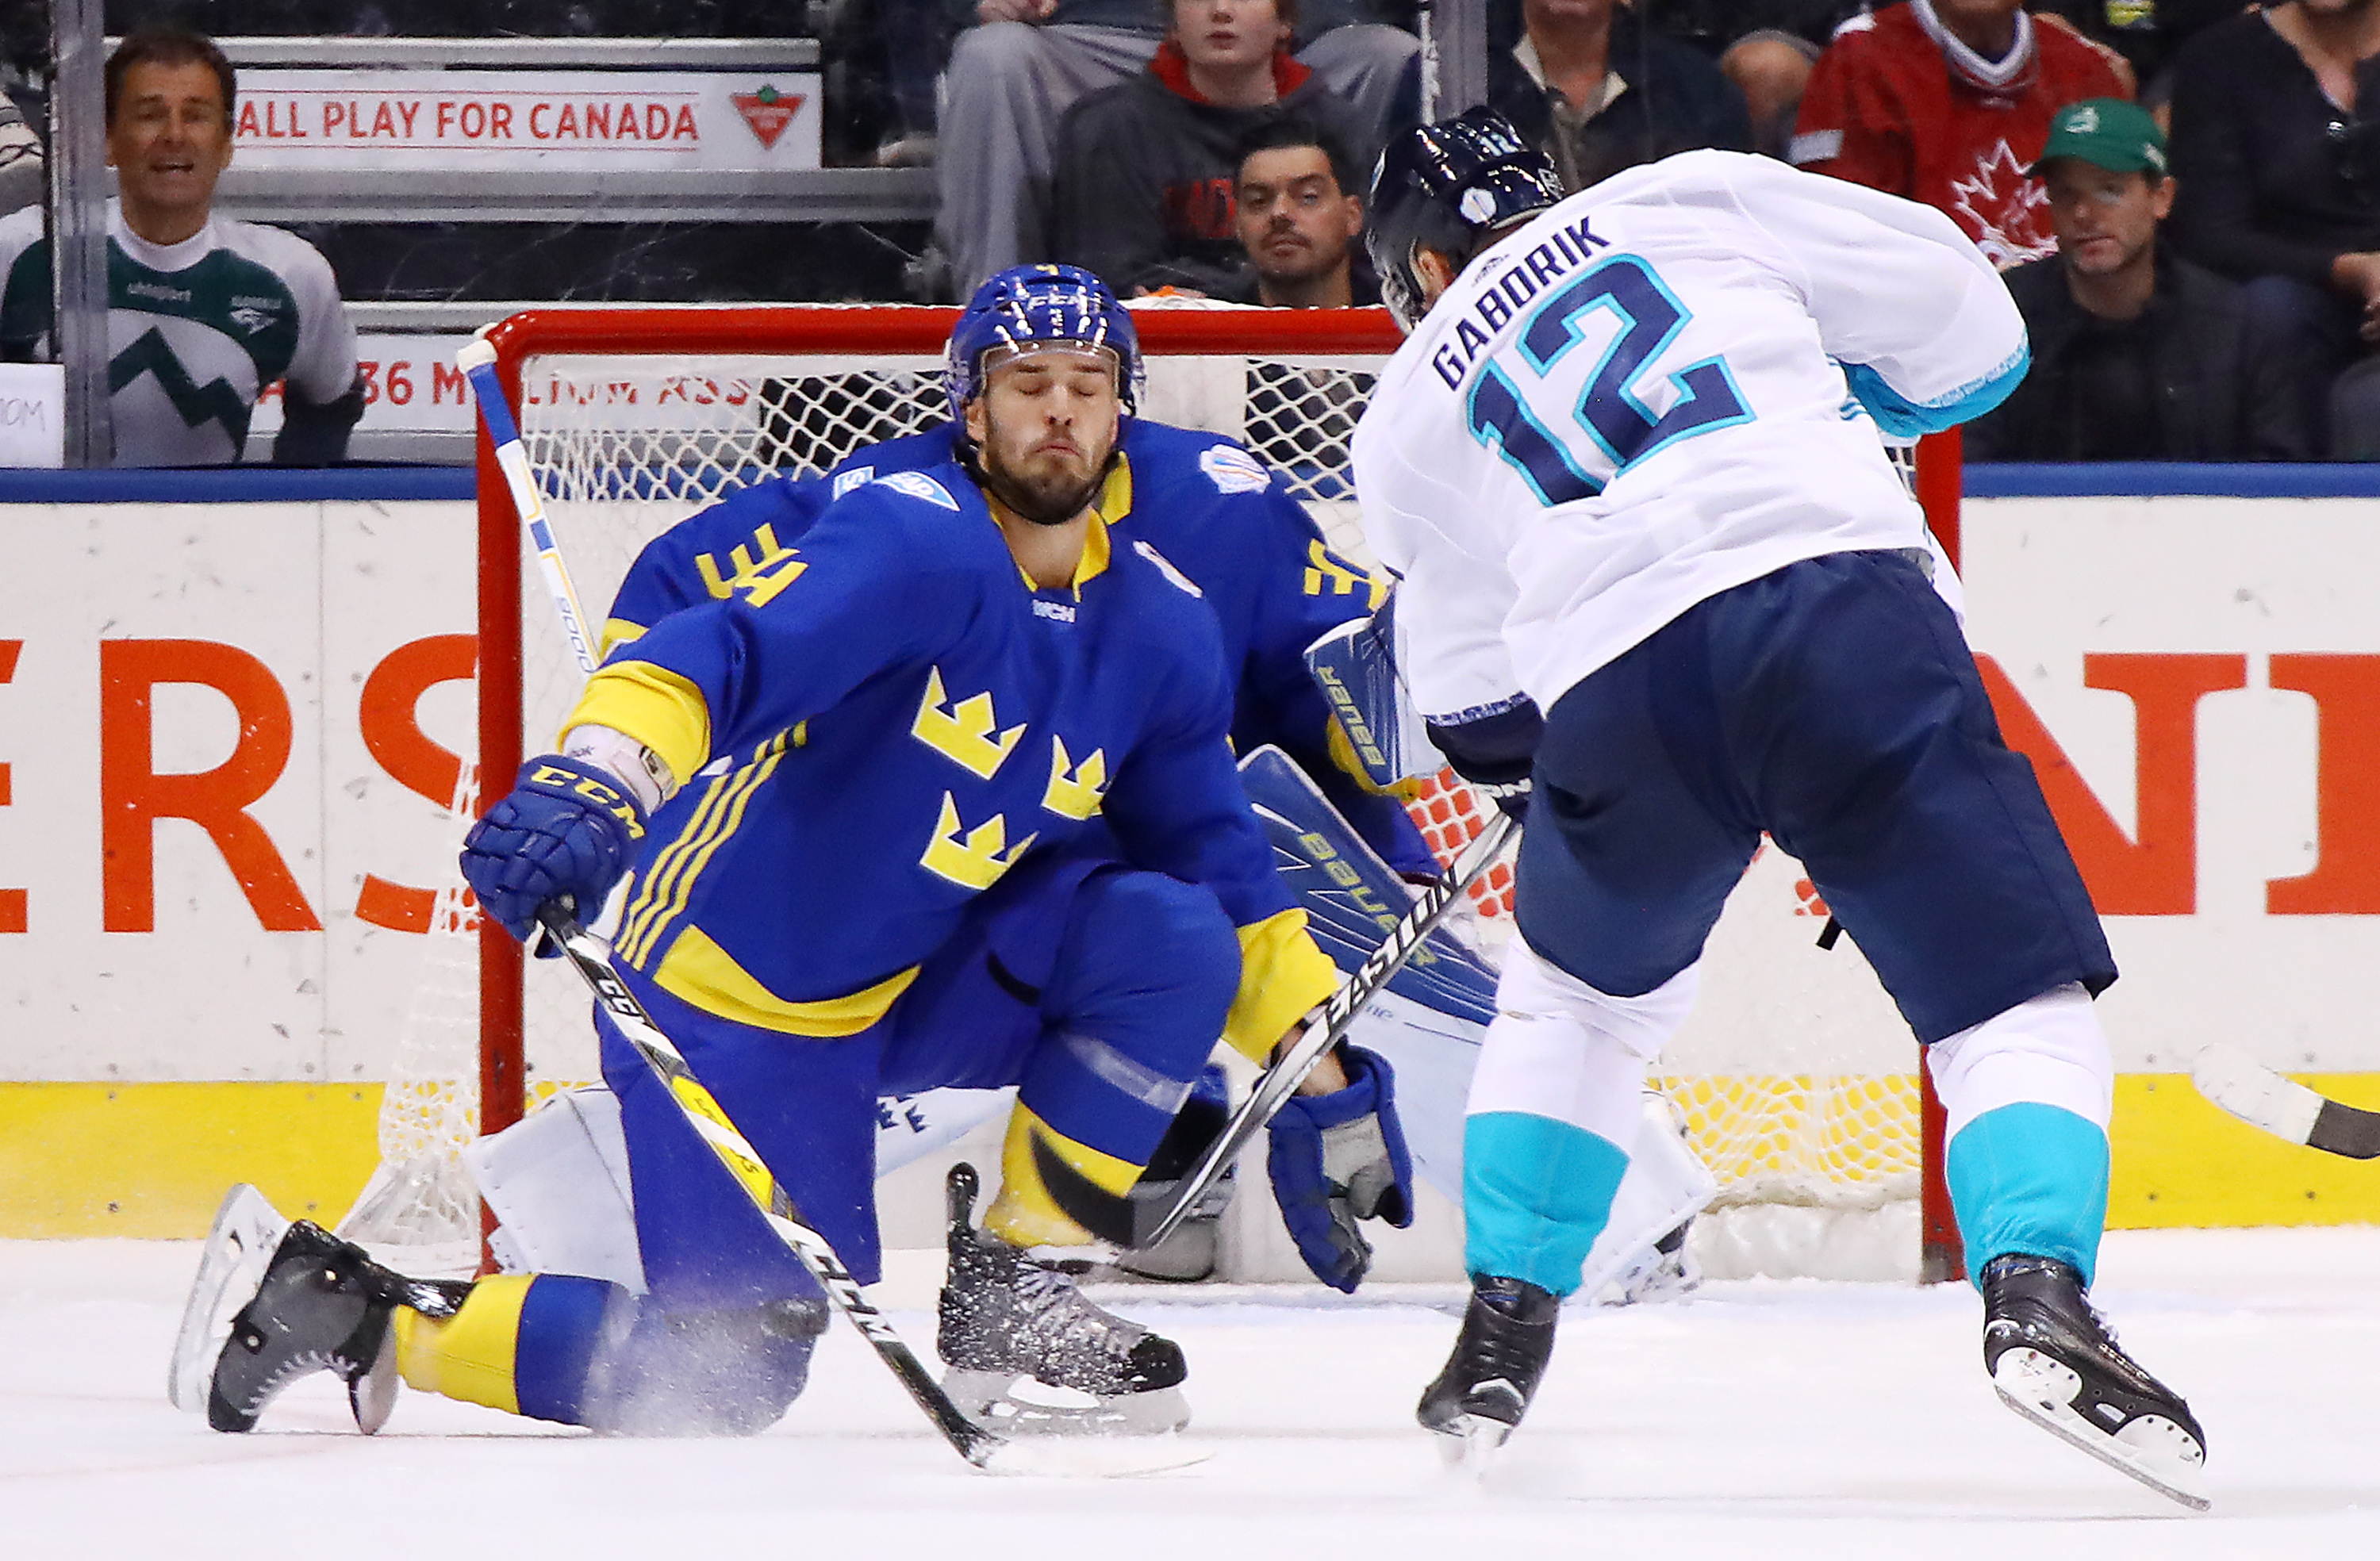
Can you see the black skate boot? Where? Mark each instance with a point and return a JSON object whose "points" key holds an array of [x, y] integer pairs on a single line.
{"points": [[1499, 1358], [324, 1305], [1005, 1317], [2055, 1362]]}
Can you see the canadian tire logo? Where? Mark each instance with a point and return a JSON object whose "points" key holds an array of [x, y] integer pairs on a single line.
{"points": [[767, 111]]}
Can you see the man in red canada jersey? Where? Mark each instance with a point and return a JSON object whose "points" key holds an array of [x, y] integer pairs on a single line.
{"points": [[1882, 109]]}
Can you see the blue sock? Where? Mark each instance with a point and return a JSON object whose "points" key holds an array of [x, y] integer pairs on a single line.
{"points": [[1536, 1194], [2033, 1179]]}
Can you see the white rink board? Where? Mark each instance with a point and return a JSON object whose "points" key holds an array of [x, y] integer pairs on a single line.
{"points": [[317, 596], [2052, 580], [321, 594]]}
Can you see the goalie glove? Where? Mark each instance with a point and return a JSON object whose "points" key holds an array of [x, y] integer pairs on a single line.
{"points": [[566, 833], [1339, 1158], [1494, 753]]}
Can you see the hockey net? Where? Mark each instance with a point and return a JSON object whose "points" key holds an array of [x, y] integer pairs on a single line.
{"points": [[634, 418]]}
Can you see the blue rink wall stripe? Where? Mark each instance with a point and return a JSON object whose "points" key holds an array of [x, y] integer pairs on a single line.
{"points": [[259, 484], [239, 485], [1536, 1194], [2234, 479], [2030, 1179]]}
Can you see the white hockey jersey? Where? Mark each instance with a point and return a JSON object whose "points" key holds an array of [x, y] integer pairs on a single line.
{"points": [[1663, 387], [195, 330]]}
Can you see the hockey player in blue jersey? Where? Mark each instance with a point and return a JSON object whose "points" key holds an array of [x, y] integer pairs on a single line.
{"points": [[844, 796], [1611, 465], [1209, 507]]}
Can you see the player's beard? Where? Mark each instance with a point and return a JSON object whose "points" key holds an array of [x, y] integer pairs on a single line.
{"points": [[1047, 498]]}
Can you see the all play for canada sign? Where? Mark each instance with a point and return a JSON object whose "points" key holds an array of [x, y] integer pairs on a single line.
{"points": [[494, 119]]}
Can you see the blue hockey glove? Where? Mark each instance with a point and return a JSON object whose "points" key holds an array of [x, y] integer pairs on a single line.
{"points": [[1340, 1159], [1493, 753], [565, 833]]}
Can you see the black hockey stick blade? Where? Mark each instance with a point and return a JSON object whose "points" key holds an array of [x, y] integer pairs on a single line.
{"points": [[593, 960], [1276, 1083], [2259, 1097]]}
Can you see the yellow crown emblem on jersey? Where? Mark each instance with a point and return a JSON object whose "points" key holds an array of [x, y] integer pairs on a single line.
{"points": [[977, 858], [962, 733], [1075, 795]]}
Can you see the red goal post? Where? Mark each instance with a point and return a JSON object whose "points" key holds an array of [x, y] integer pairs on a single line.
{"points": [[607, 358]]}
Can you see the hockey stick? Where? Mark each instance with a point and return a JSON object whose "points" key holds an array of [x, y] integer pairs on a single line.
{"points": [[593, 960], [2257, 1096], [478, 361], [1138, 1222]]}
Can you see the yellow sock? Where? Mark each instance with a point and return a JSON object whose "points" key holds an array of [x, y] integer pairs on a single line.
{"points": [[467, 1356], [1025, 1215]]}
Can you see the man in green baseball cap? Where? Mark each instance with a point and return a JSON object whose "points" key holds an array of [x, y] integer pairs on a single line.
{"points": [[2137, 354]]}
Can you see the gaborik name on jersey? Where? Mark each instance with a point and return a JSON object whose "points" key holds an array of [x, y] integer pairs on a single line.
{"points": [[1530, 274]]}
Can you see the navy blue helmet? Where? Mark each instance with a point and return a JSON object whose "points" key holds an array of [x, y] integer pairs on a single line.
{"points": [[1447, 187], [1025, 305]]}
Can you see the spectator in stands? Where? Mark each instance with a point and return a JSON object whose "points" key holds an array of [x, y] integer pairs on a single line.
{"points": [[204, 313], [1143, 192], [2137, 354], [1948, 102], [2277, 144], [23, 177], [1600, 90], [1300, 218], [1771, 68], [1016, 73]]}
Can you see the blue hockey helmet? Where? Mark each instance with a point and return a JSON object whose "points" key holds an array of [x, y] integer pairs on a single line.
{"points": [[1449, 187], [1054, 303]]}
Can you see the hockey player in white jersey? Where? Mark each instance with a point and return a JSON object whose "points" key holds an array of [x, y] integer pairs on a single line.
{"points": [[1627, 464]]}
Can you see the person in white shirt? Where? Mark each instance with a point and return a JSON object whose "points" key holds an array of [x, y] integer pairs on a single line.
{"points": [[204, 313], [1627, 463]]}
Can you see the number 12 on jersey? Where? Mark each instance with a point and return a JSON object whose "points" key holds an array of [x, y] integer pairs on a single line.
{"points": [[1621, 426]]}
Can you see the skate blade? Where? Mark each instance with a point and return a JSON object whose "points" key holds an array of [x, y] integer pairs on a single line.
{"points": [[1472, 1443], [1080, 1458], [2163, 1456], [988, 1399], [238, 1249]]}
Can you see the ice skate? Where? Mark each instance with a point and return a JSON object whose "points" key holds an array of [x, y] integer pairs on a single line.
{"points": [[1499, 1359], [322, 1305], [2055, 1362], [238, 1247], [1006, 1318]]}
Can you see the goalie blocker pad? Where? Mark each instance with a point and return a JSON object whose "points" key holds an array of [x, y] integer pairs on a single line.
{"points": [[1355, 667]]}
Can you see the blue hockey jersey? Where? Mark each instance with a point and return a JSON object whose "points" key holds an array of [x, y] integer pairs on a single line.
{"points": [[880, 722], [1202, 502]]}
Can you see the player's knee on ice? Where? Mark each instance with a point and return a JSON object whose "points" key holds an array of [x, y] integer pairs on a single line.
{"points": [[588, 1353]]}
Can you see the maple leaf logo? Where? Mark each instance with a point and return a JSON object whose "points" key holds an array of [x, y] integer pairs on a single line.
{"points": [[768, 111], [2001, 209]]}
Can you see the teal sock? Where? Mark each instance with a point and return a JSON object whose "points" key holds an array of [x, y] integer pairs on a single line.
{"points": [[2030, 1179], [1536, 1194]]}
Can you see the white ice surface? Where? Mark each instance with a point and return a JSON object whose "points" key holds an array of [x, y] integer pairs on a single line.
{"points": [[1770, 1420]]}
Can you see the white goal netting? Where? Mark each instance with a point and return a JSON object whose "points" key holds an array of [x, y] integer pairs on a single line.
{"points": [[1795, 1078]]}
